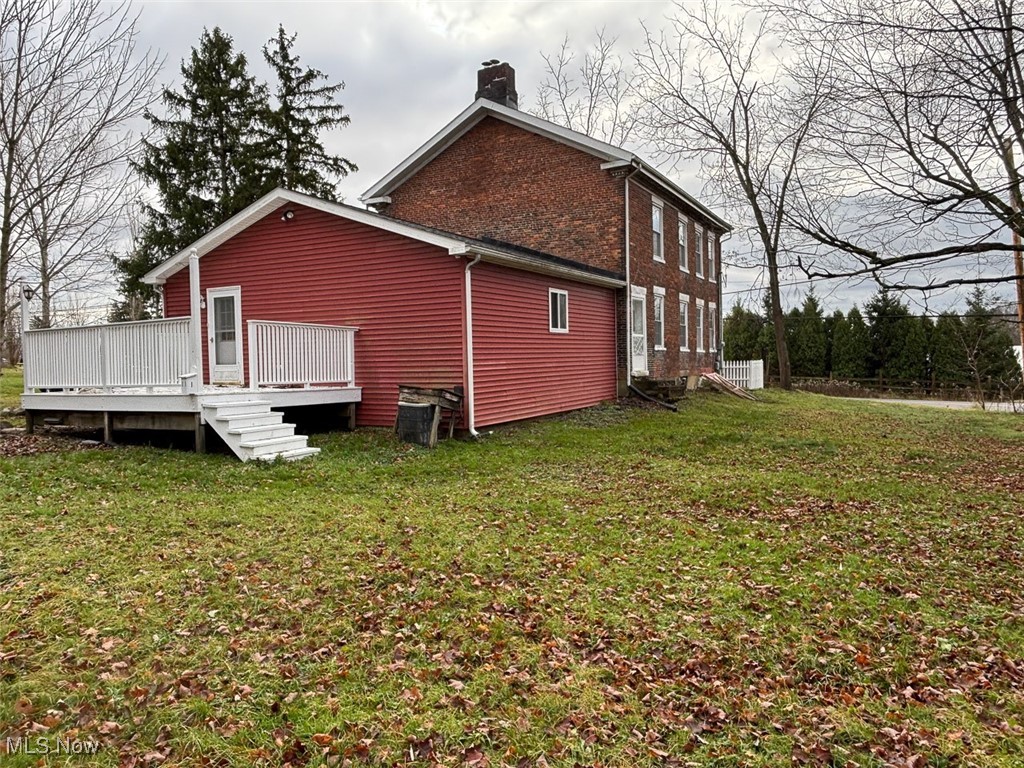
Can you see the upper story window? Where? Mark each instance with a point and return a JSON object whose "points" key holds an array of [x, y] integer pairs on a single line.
{"points": [[684, 322], [698, 259], [711, 240], [684, 242], [659, 317], [658, 230], [558, 311]]}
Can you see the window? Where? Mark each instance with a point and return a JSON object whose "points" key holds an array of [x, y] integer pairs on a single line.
{"points": [[684, 236], [657, 235], [712, 326], [712, 239], [684, 322], [558, 311], [700, 325], [698, 257], [659, 318]]}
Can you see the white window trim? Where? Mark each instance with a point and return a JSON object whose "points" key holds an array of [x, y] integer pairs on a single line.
{"points": [[711, 319], [701, 244], [659, 293], [684, 244], [711, 240], [552, 292], [656, 203], [702, 321], [684, 311]]}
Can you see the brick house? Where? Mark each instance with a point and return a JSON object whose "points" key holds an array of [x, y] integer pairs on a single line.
{"points": [[503, 176]]}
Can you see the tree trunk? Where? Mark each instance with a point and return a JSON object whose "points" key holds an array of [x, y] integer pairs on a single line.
{"points": [[778, 323]]}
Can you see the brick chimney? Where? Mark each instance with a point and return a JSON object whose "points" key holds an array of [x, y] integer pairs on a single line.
{"points": [[497, 82]]}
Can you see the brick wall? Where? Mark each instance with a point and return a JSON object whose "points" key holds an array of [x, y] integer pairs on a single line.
{"points": [[502, 181], [645, 271]]}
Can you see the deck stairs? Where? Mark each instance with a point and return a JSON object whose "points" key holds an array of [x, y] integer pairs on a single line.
{"points": [[253, 431]]}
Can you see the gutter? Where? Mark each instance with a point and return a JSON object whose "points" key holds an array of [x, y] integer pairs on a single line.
{"points": [[470, 394]]}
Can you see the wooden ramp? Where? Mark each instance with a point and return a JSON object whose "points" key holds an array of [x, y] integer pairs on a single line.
{"points": [[726, 386]]}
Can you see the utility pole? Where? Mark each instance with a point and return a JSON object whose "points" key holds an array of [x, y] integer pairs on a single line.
{"points": [[1018, 258]]}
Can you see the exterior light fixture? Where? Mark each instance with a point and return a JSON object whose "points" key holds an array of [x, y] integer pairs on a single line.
{"points": [[288, 215]]}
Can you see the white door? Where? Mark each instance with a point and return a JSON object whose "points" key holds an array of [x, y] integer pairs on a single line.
{"points": [[638, 343], [224, 329]]}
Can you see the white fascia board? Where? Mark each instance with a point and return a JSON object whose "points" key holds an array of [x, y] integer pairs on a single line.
{"points": [[659, 178], [472, 115], [543, 267], [273, 200]]}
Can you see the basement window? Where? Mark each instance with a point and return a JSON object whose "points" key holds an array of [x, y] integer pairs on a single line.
{"points": [[558, 311]]}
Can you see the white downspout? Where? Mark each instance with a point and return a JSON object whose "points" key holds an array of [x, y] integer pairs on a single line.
{"points": [[629, 290], [470, 404]]}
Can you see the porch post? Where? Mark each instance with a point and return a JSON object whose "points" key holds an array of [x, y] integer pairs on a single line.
{"points": [[26, 323], [196, 325]]}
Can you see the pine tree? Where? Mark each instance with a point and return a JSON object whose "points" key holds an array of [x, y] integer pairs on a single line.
{"points": [[830, 333], [205, 163], [808, 342], [988, 347], [851, 347], [909, 355], [305, 109], [885, 316], [948, 358], [741, 331]]}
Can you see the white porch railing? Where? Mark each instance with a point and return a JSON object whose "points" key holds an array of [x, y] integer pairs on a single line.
{"points": [[300, 354], [748, 374], [149, 353]]}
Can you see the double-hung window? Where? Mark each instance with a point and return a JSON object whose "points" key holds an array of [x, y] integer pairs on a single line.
{"points": [[684, 323], [700, 325], [684, 237], [698, 256], [658, 230], [712, 327], [659, 317], [712, 239], [558, 311]]}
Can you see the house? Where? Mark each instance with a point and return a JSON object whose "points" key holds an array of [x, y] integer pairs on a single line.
{"points": [[506, 177], [535, 268]]}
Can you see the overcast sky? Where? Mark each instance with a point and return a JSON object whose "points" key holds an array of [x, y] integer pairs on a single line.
{"points": [[410, 67]]}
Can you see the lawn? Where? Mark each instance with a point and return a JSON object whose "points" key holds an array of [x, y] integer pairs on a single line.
{"points": [[799, 581]]}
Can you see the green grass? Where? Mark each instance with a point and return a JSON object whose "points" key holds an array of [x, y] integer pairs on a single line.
{"points": [[799, 581], [11, 382]]}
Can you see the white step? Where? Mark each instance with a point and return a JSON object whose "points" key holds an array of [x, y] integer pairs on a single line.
{"points": [[244, 420], [298, 453], [262, 431], [238, 407], [257, 448]]}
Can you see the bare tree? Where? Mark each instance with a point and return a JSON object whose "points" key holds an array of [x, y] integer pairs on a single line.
{"points": [[717, 88], [71, 83], [915, 177], [592, 93]]}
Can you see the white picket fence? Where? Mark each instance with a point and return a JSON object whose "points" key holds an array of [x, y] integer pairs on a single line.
{"points": [[748, 374], [300, 354], [148, 353]]}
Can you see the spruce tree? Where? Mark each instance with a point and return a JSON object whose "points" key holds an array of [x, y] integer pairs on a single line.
{"points": [[948, 359], [808, 341], [204, 162], [851, 347], [741, 331], [885, 317], [305, 108]]}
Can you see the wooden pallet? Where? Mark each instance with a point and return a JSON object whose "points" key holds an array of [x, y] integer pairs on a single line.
{"points": [[724, 385]]}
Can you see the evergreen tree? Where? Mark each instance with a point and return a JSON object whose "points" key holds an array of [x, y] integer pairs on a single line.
{"points": [[741, 331], [292, 129], [988, 346], [851, 347], [948, 359], [807, 339], [885, 317], [908, 359], [206, 163], [830, 333]]}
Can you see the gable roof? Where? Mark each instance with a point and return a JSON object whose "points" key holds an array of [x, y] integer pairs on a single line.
{"points": [[612, 156], [456, 245]]}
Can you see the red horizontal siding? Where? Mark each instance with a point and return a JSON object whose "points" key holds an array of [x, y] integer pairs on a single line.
{"points": [[521, 369], [405, 297]]}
